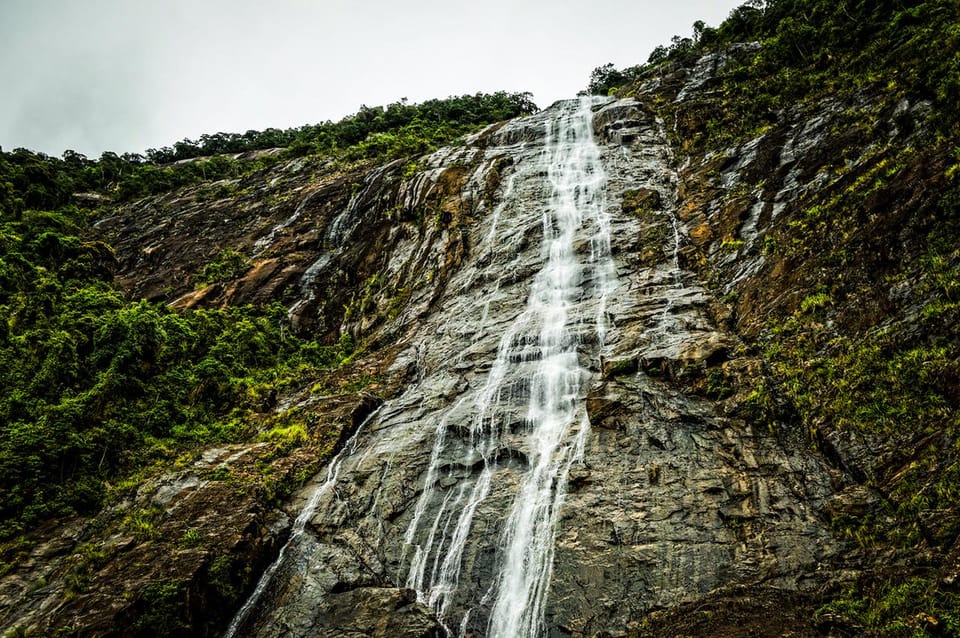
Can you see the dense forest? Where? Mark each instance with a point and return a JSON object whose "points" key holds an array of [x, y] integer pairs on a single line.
{"points": [[30, 180]]}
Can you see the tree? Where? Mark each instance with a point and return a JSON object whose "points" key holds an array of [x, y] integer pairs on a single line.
{"points": [[604, 78]]}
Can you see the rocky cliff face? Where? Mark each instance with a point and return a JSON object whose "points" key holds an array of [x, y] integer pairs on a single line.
{"points": [[671, 496], [579, 431]]}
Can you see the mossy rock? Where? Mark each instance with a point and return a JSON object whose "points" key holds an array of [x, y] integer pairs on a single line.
{"points": [[619, 368], [640, 200]]}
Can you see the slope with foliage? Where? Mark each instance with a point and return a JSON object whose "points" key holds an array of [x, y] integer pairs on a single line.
{"points": [[95, 386], [853, 296]]}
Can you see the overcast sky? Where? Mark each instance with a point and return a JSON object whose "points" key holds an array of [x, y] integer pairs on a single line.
{"points": [[127, 75]]}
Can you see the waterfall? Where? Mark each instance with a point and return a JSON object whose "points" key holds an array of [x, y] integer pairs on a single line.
{"points": [[538, 363], [463, 506]]}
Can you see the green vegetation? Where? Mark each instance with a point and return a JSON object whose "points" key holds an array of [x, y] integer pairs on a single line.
{"points": [[912, 607], [812, 49], [226, 265], [93, 386], [891, 383], [36, 181], [606, 79], [162, 610], [396, 130]]}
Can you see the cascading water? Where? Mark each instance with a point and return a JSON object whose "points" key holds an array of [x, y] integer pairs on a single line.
{"points": [[539, 361], [467, 488]]}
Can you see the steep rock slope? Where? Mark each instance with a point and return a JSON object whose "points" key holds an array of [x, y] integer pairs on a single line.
{"points": [[674, 496]]}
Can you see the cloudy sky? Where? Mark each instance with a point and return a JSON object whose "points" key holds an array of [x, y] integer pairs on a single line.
{"points": [[127, 75]]}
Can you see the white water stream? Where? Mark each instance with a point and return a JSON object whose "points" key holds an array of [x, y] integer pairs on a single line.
{"points": [[539, 354]]}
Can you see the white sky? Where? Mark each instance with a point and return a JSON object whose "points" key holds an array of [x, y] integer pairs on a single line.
{"points": [[127, 75]]}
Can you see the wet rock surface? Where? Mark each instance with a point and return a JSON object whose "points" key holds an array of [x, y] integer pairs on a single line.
{"points": [[186, 531], [377, 612], [675, 497]]}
